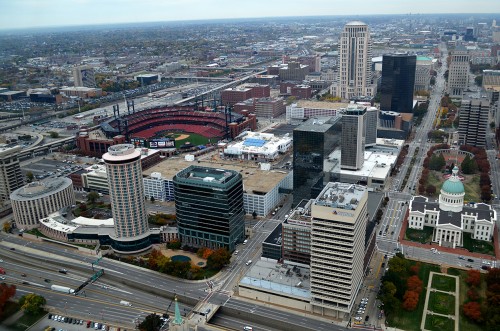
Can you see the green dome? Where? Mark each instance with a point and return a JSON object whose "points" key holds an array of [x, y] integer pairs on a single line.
{"points": [[453, 186]]}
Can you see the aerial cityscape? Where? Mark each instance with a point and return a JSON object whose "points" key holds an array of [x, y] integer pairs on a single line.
{"points": [[204, 166]]}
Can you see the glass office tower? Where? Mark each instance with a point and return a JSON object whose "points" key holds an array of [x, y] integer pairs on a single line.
{"points": [[398, 81], [209, 207], [316, 156]]}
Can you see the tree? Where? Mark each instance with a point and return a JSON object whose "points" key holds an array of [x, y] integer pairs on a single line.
{"points": [[430, 189], [473, 278], [6, 292], [468, 166], [415, 284], [410, 302], [152, 199], [492, 125], [152, 322], [92, 197], [254, 214], [29, 176], [218, 259], [478, 80], [32, 303], [437, 162], [53, 134], [472, 310], [7, 227]]}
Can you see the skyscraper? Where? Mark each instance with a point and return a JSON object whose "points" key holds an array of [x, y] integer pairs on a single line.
{"points": [[339, 216], [11, 177], [473, 122], [209, 207], [313, 142], [371, 121], [458, 74], [353, 137], [355, 51], [398, 81], [126, 191]]}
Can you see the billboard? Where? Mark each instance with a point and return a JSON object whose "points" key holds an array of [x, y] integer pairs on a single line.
{"points": [[138, 142], [161, 143]]}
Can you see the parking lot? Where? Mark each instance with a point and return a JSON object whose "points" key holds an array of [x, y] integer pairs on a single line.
{"points": [[70, 324], [50, 168]]}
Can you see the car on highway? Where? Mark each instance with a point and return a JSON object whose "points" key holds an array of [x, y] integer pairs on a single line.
{"points": [[247, 328], [249, 262], [470, 260], [461, 257]]}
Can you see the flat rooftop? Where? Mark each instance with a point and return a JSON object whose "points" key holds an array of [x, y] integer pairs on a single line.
{"points": [[254, 179], [318, 124], [341, 196], [321, 105], [280, 278]]}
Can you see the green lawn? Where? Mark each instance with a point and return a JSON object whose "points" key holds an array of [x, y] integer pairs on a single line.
{"points": [[464, 323], [442, 303], [472, 189], [443, 283], [439, 323], [26, 321], [435, 178], [422, 236], [478, 246], [410, 320]]}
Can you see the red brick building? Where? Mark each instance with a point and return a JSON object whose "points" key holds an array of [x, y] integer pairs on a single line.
{"points": [[94, 143]]}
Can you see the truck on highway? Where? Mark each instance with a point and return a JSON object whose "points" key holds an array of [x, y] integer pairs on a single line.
{"points": [[125, 303], [63, 289]]}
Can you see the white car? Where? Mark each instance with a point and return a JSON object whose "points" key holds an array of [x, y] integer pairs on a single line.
{"points": [[358, 318], [247, 328]]}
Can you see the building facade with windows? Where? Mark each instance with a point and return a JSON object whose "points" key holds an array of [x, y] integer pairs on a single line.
{"points": [[37, 200], [126, 192], [398, 81], [458, 76], [355, 49], [338, 230], [313, 142], [353, 137], [209, 207], [473, 122], [450, 218], [11, 177]]}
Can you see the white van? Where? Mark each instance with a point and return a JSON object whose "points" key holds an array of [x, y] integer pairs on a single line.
{"points": [[245, 242], [249, 262]]}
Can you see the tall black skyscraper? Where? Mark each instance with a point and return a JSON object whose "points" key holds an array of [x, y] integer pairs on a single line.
{"points": [[313, 165], [398, 80]]}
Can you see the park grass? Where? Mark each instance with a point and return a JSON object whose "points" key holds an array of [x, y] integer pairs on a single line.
{"points": [[439, 323], [464, 324], [478, 246], [422, 236], [442, 303], [410, 320], [443, 283], [27, 320], [472, 189]]}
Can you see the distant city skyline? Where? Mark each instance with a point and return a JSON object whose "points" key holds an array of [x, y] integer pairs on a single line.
{"points": [[51, 13]]}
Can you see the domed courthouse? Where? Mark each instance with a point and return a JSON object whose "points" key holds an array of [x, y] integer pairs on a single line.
{"points": [[449, 217]]}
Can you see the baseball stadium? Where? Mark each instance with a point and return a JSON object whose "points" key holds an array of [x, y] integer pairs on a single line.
{"points": [[183, 125]]}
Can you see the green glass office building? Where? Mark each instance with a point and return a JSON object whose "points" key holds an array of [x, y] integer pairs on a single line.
{"points": [[209, 207]]}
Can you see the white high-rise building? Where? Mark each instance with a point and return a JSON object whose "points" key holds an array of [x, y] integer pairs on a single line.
{"points": [[126, 191], [458, 75], [339, 217], [355, 53]]}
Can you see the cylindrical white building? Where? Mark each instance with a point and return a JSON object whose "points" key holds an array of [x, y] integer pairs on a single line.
{"points": [[126, 190], [37, 200]]}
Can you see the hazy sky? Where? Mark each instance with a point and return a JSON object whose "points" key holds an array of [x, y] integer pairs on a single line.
{"points": [[34, 13]]}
